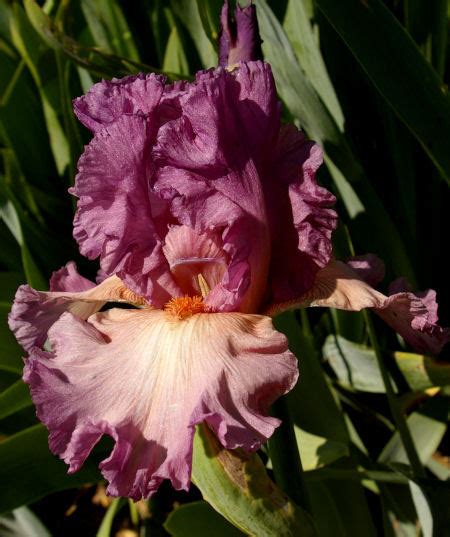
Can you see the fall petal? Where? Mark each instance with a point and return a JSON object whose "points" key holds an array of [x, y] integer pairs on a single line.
{"points": [[146, 378], [338, 286], [34, 312], [414, 316]]}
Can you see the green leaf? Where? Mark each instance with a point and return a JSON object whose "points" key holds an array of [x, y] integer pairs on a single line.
{"points": [[422, 372], [22, 126], [423, 509], [198, 518], [8, 214], [209, 11], [22, 522], [394, 64], [299, 30], [188, 13], [105, 65], [312, 404], [236, 484], [174, 57], [427, 24], [315, 409], [427, 427], [325, 511], [317, 451], [109, 27], [14, 398], [32, 48], [26, 461], [356, 367], [107, 522]]}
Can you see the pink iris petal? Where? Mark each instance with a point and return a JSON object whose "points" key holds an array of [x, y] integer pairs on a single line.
{"points": [[303, 220], [67, 278], [109, 100], [117, 217], [412, 315], [34, 312], [225, 369]]}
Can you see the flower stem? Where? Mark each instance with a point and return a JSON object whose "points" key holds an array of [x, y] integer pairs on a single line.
{"points": [[399, 418], [285, 457]]}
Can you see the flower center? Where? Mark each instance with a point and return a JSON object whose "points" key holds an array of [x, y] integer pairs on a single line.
{"points": [[185, 306], [197, 261]]}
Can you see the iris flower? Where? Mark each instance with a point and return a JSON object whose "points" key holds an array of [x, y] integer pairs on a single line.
{"points": [[206, 216]]}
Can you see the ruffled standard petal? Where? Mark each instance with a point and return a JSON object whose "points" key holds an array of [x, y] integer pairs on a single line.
{"points": [[116, 212], [109, 100], [301, 215], [412, 315], [225, 119], [210, 164], [146, 378], [34, 312]]}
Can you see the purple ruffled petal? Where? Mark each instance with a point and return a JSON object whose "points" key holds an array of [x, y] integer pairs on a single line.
{"points": [[117, 215], [109, 100], [214, 180], [225, 369], [301, 214]]}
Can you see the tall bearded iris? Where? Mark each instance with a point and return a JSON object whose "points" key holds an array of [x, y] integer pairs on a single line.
{"points": [[204, 210]]}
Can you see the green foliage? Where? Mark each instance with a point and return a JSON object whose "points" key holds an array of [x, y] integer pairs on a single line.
{"points": [[368, 81]]}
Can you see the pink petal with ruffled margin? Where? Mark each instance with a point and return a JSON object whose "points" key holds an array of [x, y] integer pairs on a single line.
{"points": [[34, 312], [415, 316], [302, 219], [117, 216], [146, 379], [109, 100], [68, 279], [412, 315], [210, 166]]}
